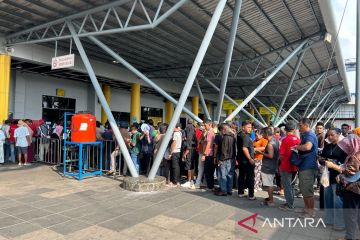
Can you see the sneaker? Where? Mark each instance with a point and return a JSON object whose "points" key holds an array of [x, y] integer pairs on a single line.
{"points": [[186, 185], [285, 207], [299, 195], [252, 198], [20, 164], [242, 195], [192, 186], [197, 186], [27, 164]]}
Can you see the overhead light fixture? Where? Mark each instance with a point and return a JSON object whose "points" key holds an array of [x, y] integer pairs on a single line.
{"points": [[327, 37], [115, 62]]}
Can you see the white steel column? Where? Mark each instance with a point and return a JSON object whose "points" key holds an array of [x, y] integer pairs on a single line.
{"points": [[188, 85]]}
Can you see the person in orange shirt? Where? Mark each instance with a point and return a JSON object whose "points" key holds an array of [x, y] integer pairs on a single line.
{"points": [[259, 146]]}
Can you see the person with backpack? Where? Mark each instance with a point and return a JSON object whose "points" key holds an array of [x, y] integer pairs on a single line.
{"points": [[43, 132]]}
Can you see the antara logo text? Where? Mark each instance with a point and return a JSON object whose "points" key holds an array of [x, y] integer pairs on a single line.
{"points": [[281, 222]]}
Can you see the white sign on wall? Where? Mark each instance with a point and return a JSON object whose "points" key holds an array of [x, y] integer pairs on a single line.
{"points": [[65, 61]]}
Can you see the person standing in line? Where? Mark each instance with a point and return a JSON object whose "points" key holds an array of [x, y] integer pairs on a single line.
{"points": [[163, 169], [13, 152], [225, 153], [308, 167], [208, 156], [287, 170], [6, 130], [117, 152], [22, 140], [270, 164], [201, 136], [146, 150], [43, 132], [30, 126], [246, 162], [259, 147], [320, 134], [135, 147], [189, 154], [333, 204], [2, 142], [174, 156], [345, 129]]}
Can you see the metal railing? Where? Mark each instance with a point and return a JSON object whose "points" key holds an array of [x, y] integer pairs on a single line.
{"points": [[50, 151]]}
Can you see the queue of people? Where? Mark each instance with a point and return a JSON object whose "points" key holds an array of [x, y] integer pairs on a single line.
{"points": [[290, 159]]}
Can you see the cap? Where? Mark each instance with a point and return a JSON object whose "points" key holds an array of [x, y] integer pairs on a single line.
{"points": [[290, 126]]}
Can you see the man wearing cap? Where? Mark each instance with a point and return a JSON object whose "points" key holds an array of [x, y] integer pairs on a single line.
{"points": [[287, 170], [22, 140]]}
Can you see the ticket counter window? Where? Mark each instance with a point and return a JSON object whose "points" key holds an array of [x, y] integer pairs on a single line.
{"points": [[156, 114]]}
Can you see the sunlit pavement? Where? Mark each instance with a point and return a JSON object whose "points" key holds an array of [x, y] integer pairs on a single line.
{"points": [[38, 203]]}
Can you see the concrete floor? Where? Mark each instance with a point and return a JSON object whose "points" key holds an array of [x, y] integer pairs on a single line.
{"points": [[38, 203]]}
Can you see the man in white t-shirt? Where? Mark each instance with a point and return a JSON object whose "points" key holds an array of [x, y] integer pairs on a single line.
{"points": [[22, 140], [175, 155]]}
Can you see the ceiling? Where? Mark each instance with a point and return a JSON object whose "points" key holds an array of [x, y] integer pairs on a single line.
{"points": [[268, 31]]}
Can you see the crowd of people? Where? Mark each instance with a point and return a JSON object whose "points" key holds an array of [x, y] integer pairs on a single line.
{"points": [[293, 159]]}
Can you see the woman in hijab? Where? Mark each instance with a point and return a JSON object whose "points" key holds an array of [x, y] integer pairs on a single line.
{"points": [[332, 203], [349, 182]]}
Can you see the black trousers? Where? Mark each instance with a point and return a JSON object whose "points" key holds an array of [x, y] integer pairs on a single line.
{"points": [[175, 168], [246, 178], [352, 214], [209, 169]]}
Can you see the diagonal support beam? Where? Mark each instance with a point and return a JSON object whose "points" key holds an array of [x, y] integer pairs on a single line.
{"points": [[103, 101], [332, 115], [312, 98], [188, 85], [327, 110], [298, 101], [229, 52], [319, 103], [263, 83], [258, 113], [297, 66], [236, 104], [141, 75], [202, 100]]}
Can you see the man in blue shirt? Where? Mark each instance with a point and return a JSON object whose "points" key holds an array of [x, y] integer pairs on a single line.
{"points": [[308, 167]]}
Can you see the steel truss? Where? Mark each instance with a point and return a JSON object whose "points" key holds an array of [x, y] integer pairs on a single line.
{"points": [[57, 29]]}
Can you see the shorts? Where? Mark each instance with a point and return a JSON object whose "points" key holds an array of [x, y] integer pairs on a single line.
{"points": [[189, 163], [306, 182], [22, 150], [267, 179]]}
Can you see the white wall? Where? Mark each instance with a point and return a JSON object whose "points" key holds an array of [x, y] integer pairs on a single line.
{"points": [[29, 89]]}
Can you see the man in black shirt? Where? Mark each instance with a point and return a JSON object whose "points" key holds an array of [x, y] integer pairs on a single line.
{"points": [[245, 158]]}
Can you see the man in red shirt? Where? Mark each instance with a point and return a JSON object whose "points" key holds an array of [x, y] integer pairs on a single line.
{"points": [[287, 170]]}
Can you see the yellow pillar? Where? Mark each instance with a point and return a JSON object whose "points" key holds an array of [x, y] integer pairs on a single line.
{"points": [[195, 105], [4, 86], [228, 112], [208, 106], [268, 119], [107, 93], [169, 110], [135, 103]]}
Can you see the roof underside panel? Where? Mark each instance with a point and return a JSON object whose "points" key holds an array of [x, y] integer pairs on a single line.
{"points": [[267, 33]]}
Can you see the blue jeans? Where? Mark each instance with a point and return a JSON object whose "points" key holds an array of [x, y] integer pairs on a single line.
{"points": [[226, 174], [286, 179], [135, 159], [333, 207], [12, 152], [7, 152]]}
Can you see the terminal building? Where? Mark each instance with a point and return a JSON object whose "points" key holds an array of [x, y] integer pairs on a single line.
{"points": [[161, 41]]}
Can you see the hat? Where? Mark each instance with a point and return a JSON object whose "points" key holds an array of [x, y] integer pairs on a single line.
{"points": [[290, 126], [21, 123]]}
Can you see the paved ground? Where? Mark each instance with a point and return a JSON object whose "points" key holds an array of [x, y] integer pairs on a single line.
{"points": [[38, 203]]}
